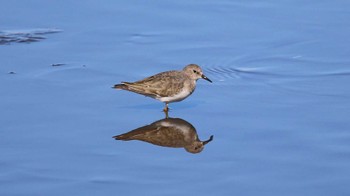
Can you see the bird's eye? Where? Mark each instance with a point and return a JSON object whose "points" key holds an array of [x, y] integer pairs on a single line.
{"points": [[194, 71]]}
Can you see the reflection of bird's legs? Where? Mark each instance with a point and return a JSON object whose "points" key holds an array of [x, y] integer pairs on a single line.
{"points": [[166, 110]]}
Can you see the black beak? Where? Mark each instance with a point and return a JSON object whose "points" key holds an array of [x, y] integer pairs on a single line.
{"points": [[205, 78], [209, 140]]}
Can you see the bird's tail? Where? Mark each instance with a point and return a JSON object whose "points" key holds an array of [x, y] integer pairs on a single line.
{"points": [[118, 137], [132, 87], [124, 137], [121, 86]]}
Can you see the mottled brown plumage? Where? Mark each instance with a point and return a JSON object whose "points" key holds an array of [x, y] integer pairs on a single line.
{"points": [[169, 86]]}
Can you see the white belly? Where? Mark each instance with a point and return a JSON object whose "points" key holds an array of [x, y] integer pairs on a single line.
{"points": [[178, 97]]}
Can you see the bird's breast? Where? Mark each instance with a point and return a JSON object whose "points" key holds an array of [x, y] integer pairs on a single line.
{"points": [[177, 97]]}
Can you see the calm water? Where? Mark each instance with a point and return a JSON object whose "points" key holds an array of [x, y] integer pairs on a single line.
{"points": [[278, 106]]}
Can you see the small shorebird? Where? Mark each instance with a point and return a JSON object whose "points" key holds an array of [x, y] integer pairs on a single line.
{"points": [[168, 132], [167, 87]]}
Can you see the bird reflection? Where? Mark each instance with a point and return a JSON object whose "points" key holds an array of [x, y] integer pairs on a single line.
{"points": [[168, 132]]}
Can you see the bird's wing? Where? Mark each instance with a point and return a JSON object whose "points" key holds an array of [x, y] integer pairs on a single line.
{"points": [[161, 85]]}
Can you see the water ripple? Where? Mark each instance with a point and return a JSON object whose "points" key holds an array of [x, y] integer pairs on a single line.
{"points": [[288, 68], [25, 36], [310, 77]]}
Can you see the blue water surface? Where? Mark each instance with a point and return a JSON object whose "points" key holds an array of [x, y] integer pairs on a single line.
{"points": [[278, 106]]}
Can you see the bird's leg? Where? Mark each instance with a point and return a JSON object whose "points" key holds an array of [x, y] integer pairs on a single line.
{"points": [[166, 110], [166, 114]]}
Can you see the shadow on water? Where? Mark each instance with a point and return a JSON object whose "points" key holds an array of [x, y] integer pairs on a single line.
{"points": [[25, 36], [168, 132]]}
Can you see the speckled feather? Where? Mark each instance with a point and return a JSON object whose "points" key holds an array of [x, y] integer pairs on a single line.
{"points": [[169, 86], [159, 85]]}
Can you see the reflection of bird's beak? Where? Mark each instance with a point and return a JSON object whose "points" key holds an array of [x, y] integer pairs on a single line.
{"points": [[205, 78], [209, 140]]}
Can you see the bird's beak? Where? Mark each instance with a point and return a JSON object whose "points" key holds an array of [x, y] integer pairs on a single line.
{"points": [[205, 78], [209, 140]]}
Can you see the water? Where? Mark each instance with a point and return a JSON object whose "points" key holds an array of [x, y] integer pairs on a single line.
{"points": [[278, 106]]}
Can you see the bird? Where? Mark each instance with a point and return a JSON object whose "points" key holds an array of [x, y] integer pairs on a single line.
{"points": [[168, 132], [168, 86]]}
